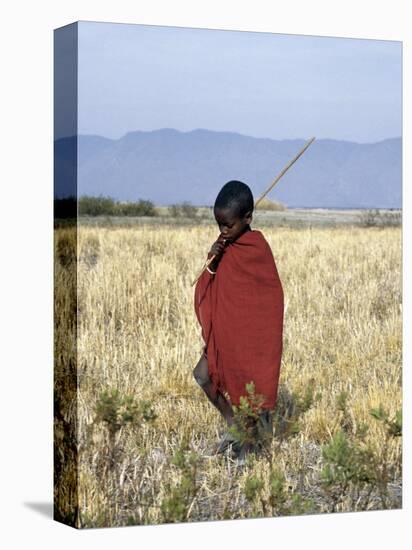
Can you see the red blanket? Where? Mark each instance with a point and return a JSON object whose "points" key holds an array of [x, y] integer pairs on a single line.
{"points": [[240, 310]]}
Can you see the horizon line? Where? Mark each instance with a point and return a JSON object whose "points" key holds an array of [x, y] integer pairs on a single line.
{"points": [[163, 129]]}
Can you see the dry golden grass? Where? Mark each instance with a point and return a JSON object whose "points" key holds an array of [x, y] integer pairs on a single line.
{"points": [[137, 332]]}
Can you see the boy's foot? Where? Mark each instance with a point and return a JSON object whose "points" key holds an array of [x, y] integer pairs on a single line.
{"points": [[244, 451], [226, 441]]}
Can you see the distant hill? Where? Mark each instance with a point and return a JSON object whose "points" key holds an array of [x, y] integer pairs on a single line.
{"points": [[168, 166]]}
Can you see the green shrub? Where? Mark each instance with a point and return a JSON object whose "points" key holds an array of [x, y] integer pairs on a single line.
{"points": [[140, 208], [276, 499], [271, 205], [96, 206], [354, 470], [117, 410], [183, 210], [291, 406], [188, 210], [174, 210], [246, 427], [393, 425], [377, 218], [176, 505]]}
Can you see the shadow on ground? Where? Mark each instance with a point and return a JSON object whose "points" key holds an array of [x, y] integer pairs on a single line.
{"points": [[42, 508]]}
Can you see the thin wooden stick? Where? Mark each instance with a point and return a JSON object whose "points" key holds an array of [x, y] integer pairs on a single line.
{"points": [[272, 185], [284, 170]]}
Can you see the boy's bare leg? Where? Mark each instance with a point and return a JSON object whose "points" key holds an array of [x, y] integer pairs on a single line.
{"points": [[201, 375]]}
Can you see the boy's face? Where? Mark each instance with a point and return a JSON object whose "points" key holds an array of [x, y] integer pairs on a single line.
{"points": [[230, 225]]}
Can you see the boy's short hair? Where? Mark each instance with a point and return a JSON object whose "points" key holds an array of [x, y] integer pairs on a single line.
{"points": [[236, 195]]}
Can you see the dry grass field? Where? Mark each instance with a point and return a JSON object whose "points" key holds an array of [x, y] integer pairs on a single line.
{"points": [[143, 425]]}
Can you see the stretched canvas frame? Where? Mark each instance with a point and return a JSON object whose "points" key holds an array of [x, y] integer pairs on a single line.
{"points": [[112, 434]]}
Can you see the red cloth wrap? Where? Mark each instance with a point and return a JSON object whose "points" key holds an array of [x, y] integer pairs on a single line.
{"points": [[240, 310]]}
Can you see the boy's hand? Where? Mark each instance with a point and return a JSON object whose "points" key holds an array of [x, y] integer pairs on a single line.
{"points": [[216, 250]]}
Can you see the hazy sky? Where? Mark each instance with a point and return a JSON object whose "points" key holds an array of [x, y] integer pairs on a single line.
{"points": [[134, 77]]}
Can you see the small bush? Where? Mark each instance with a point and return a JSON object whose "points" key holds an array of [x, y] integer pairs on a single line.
{"points": [[183, 210], [117, 410], [377, 218], [274, 498], [140, 208], [273, 206], [354, 470], [246, 427], [188, 210], [176, 504], [391, 219], [291, 406], [174, 210], [96, 206], [394, 425]]}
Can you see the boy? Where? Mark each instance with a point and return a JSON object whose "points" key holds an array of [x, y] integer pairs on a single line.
{"points": [[239, 305]]}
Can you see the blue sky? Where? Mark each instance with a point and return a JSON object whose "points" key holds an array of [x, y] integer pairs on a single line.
{"points": [[138, 77]]}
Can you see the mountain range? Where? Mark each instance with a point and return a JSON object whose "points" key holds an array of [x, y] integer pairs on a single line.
{"points": [[168, 166]]}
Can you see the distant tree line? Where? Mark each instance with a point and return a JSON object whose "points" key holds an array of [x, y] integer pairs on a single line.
{"points": [[87, 205], [69, 207], [106, 206]]}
